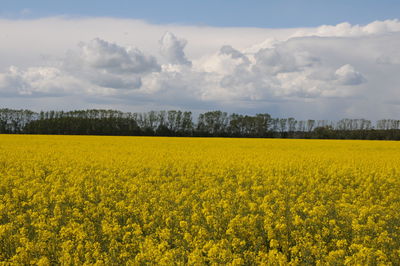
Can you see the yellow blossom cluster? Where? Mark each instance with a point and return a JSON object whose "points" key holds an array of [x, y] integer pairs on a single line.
{"points": [[84, 200]]}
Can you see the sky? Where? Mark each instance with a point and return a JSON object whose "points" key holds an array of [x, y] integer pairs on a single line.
{"points": [[219, 13], [301, 58]]}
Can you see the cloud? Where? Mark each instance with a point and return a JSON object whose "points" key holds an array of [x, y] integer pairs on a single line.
{"points": [[345, 29], [233, 53], [324, 72], [347, 75], [109, 65], [172, 48], [389, 59], [112, 58], [37, 82], [11, 82], [280, 59]]}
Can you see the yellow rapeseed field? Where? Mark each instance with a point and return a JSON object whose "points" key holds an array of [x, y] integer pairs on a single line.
{"points": [[76, 200]]}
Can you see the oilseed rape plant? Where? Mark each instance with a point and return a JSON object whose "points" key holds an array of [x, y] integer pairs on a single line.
{"points": [[75, 200]]}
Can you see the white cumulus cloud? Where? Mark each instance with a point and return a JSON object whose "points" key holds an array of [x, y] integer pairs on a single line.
{"points": [[323, 72], [172, 48], [347, 75], [109, 65]]}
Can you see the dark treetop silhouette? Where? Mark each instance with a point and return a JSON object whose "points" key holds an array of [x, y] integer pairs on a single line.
{"points": [[180, 123]]}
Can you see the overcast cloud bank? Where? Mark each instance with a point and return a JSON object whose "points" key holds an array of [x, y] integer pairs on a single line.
{"points": [[327, 72]]}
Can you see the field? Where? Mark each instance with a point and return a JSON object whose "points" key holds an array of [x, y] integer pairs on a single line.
{"points": [[136, 200]]}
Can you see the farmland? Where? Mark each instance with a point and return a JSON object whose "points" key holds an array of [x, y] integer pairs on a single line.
{"points": [[143, 200]]}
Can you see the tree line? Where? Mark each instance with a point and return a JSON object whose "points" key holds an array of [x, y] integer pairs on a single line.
{"points": [[181, 123]]}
